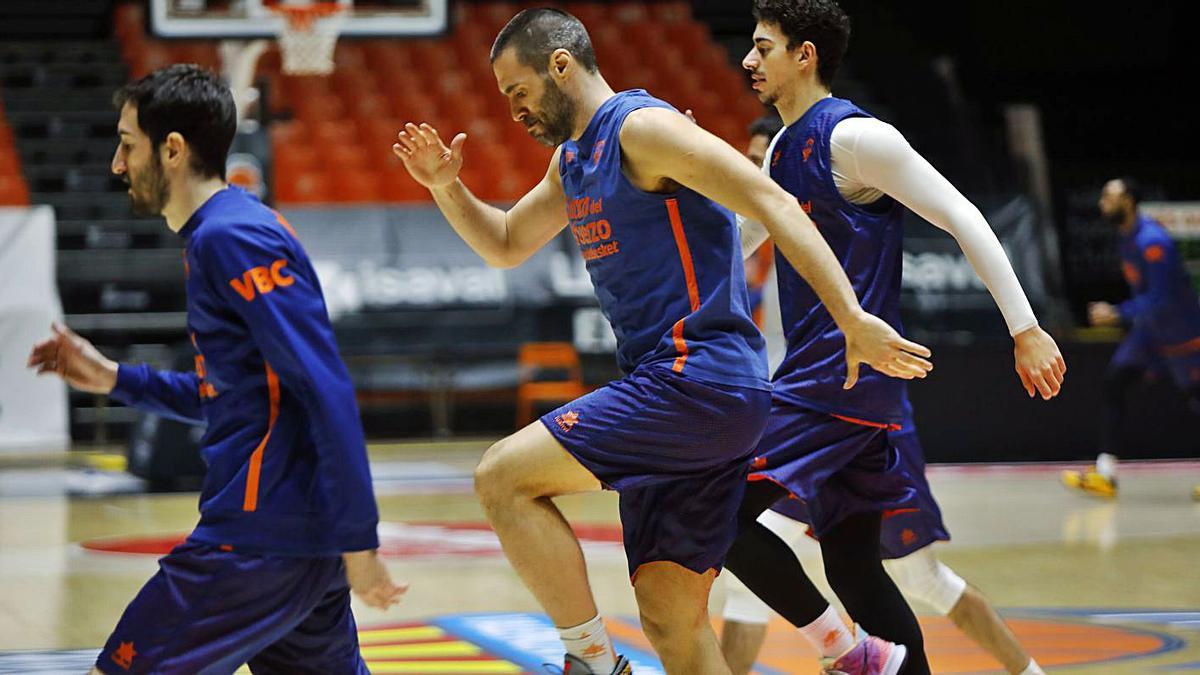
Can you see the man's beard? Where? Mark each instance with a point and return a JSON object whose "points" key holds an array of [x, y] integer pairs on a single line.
{"points": [[557, 117], [150, 189], [1116, 217]]}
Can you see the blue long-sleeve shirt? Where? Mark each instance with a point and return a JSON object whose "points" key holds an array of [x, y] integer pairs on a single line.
{"points": [[1164, 308], [287, 463]]}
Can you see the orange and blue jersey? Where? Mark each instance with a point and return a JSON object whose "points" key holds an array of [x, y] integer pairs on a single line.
{"points": [[867, 240], [667, 268], [1164, 310], [287, 463]]}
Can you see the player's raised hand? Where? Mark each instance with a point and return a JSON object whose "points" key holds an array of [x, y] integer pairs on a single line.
{"points": [[872, 341], [75, 360], [370, 580], [430, 162], [1039, 363]]}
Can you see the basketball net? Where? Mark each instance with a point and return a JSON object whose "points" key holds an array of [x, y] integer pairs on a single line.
{"points": [[309, 36]]}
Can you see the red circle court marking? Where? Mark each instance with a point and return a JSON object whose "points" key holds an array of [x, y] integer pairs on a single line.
{"points": [[432, 538]]}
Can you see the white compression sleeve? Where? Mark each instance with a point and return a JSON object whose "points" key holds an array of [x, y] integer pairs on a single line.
{"points": [[870, 156], [753, 232]]}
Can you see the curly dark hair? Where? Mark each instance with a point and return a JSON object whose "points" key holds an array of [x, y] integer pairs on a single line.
{"points": [[820, 22]]}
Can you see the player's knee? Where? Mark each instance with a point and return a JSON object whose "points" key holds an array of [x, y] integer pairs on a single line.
{"points": [[668, 608], [924, 578], [493, 476]]}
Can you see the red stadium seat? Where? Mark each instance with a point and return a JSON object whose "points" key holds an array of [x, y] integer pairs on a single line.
{"points": [[357, 185], [327, 133], [398, 186], [13, 191], [310, 187]]}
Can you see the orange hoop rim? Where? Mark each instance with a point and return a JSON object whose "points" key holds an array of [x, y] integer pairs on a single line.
{"points": [[301, 17]]}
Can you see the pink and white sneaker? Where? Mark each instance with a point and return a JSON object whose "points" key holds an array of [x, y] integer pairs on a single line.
{"points": [[870, 656]]}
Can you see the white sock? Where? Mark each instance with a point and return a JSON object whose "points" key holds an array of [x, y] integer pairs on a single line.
{"points": [[1106, 465], [1033, 669], [589, 641], [829, 634]]}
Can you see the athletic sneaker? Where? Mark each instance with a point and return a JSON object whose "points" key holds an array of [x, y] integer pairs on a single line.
{"points": [[869, 657], [573, 665], [1090, 482]]}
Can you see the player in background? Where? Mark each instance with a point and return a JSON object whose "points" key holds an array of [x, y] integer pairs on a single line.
{"points": [[287, 513], [760, 266], [828, 446], [647, 195], [906, 537], [1163, 318]]}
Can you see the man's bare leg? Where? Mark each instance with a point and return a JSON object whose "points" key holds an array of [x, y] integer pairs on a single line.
{"points": [[515, 480], [673, 602], [740, 644], [976, 617]]}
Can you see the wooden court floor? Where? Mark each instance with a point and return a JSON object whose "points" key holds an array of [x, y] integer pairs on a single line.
{"points": [[1090, 586]]}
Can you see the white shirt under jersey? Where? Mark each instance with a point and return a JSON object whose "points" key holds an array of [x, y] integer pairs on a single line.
{"points": [[870, 159]]}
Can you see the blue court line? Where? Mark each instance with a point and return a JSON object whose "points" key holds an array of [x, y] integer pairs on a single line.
{"points": [[530, 640]]}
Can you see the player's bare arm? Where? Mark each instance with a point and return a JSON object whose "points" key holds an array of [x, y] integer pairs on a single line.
{"points": [[501, 238], [663, 148]]}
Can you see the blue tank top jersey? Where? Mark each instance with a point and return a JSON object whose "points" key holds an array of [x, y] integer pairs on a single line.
{"points": [[867, 240], [667, 268]]}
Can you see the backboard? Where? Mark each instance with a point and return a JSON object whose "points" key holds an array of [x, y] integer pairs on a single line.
{"points": [[247, 19]]}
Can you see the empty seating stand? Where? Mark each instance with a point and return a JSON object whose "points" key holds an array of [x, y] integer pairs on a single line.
{"points": [[120, 277], [337, 145]]}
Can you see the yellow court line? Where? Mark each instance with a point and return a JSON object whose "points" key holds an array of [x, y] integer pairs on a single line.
{"points": [[421, 649], [412, 633], [433, 667]]}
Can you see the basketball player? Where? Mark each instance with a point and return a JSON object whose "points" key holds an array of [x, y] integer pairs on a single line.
{"points": [[287, 513], [1163, 318], [646, 194], [907, 535], [825, 445]]}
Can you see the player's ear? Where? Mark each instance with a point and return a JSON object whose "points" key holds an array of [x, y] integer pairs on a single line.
{"points": [[806, 53], [173, 149], [560, 62]]}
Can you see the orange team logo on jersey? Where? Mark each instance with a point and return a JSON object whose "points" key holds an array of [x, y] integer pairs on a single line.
{"points": [[262, 279], [567, 420], [1154, 253], [831, 637], [597, 151], [775, 158], [808, 148], [124, 654], [806, 206], [570, 154], [759, 462], [1132, 275], [908, 537]]}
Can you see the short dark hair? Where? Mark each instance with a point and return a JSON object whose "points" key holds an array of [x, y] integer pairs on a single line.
{"points": [[536, 33], [1133, 188], [820, 22], [191, 100], [768, 125]]}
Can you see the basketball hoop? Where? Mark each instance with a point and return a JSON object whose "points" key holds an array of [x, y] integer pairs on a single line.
{"points": [[309, 36]]}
